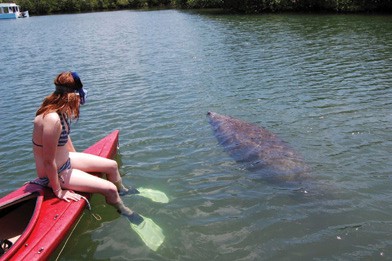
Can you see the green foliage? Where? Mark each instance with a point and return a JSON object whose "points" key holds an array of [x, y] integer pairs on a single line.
{"points": [[179, 3], [204, 3], [259, 6], [38, 7]]}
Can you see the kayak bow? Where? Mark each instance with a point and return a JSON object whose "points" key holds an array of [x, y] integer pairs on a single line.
{"points": [[34, 221]]}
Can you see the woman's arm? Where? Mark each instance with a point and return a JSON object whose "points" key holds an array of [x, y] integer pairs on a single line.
{"points": [[50, 136]]}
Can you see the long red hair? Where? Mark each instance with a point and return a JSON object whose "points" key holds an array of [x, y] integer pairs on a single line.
{"points": [[67, 103]]}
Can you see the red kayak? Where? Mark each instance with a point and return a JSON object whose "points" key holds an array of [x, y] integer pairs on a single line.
{"points": [[33, 222]]}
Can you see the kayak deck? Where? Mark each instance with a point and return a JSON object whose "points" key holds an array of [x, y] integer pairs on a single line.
{"points": [[35, 222]]}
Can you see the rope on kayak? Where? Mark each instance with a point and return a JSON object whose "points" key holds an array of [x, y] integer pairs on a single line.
{"points": [[69, 236], [88, 202], [96, 216]]}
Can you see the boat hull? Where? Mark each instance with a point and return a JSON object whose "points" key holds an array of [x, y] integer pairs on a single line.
{"points": [[9, 16], [52, 218]]}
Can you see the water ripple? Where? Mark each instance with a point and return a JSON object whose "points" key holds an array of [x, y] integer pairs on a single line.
{"points": [[322, 83]]}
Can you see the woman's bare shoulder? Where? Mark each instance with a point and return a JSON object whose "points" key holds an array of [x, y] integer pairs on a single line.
{"points": [[51, 118]]}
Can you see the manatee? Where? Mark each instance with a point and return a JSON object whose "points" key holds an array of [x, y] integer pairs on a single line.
{"points": [[258, 149]]}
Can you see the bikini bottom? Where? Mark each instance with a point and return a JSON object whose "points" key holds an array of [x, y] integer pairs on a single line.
{"points": [[45, 181]]}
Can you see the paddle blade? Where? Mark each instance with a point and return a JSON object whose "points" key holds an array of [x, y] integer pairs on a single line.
{"points": [[154, 195], [150, 233]]}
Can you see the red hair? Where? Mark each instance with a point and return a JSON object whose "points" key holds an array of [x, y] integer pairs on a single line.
{"points": [[62, 102]]}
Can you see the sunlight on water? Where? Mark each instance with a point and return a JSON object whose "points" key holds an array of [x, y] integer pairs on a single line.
{"points": [[322, 83]]}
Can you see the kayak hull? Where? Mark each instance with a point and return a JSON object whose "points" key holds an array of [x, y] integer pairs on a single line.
{"points": [[51, 218]]}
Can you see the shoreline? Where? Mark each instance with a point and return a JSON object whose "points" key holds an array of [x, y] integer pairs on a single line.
{"points": [[51, 7]]}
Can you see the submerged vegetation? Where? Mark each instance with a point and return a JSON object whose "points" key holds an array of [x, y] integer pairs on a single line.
{"points": [[40, 7]]}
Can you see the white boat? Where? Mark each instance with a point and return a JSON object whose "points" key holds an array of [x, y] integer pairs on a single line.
{"points": [[11, 11]]}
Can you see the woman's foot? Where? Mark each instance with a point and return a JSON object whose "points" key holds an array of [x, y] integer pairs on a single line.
{"points": [[122, 190], [133, 217], [128, 191]]}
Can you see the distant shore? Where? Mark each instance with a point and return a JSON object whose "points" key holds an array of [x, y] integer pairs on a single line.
{"points": [[44, 7]]}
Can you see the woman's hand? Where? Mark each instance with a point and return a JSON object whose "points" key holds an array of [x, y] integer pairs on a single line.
{"points": [[68, 195]]}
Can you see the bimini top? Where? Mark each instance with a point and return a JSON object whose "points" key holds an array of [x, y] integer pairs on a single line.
{"points": [[8, 5]]}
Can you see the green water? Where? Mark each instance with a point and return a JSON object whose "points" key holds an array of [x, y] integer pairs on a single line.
{"points": [[321, 82]]}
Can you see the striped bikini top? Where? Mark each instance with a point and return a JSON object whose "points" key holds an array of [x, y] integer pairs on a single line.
{"points": [[64, 132]]}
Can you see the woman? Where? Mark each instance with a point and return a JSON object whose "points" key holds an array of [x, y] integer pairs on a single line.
{"points": [[58, 165]]}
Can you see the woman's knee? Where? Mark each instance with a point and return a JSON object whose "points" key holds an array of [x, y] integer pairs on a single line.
{"points": [[112, 166], [111, 194]]}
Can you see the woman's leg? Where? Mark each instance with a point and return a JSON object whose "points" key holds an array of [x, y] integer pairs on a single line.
{"points": [[92, 163], [78, 180]]}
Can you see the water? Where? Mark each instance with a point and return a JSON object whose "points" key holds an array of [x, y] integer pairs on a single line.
{"points": [[322, 83]]}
